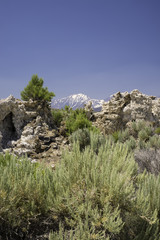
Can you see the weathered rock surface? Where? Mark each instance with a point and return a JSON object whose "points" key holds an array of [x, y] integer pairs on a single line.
{"points": [[124, 108], [15, 114], [39, 142], [26, 128]]}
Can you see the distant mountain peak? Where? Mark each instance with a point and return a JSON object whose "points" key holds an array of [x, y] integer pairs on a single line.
{"points": [[77, 101], [78, 95]]}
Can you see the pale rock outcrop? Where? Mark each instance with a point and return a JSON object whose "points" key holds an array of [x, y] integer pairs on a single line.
{"points": [[89, 110], [16, 114], [26, 128], [156, 109], [140, 107], [39, 142], [12, 118], [124, 108]]}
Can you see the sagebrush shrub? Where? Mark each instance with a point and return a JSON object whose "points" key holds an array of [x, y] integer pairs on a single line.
{"points": [[143, 135], [82, 136], [139, 135], [154, 142], [138, 125], [90, 194], [95, 182], [123, 135], [24, 191], [131, 143], [97, 140], [86, 137]]}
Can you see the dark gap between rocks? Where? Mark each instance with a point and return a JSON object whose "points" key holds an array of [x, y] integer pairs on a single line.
{"points": [[8, 130]]}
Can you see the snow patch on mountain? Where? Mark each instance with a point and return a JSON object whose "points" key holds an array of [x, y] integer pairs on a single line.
{"points": [[77, 101]]}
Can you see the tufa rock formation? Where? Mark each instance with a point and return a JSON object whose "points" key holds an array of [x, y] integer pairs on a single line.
{"points": [[15, 114], [124, 108], [26, 128]]}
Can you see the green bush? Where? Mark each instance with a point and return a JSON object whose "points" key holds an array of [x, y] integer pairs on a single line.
{"points": [[77, 119], [96, 141], [115, 136], [157, 130], [82, 136], [75, 122], [103, 195], [58, 116], [24, 191], [70, 120], [35, 90], [139, 135], [138, 126], [86, 137], [154, 142], [97, 188], [82, 232], [149, 130], [143, 135], [123, 135], [90, 195], [131, 143]]}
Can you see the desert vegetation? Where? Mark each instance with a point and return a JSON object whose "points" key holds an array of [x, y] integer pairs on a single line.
{"points": [[95, 191], [71, 120], [105, 187]]}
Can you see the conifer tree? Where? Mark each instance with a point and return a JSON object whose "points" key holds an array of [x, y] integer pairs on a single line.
{"points": [[35, 90]]}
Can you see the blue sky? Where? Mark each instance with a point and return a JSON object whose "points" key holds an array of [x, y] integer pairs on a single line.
{"points": [[95, 47]]}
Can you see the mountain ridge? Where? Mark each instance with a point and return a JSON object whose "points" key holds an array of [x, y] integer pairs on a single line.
{"points": [[77, 101]]}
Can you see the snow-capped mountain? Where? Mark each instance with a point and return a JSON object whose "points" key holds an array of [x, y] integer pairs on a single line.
{"points": [[77, 101]]}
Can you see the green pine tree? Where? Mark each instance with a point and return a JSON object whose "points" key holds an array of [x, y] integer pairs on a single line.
{"points": [[35, 90]]}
